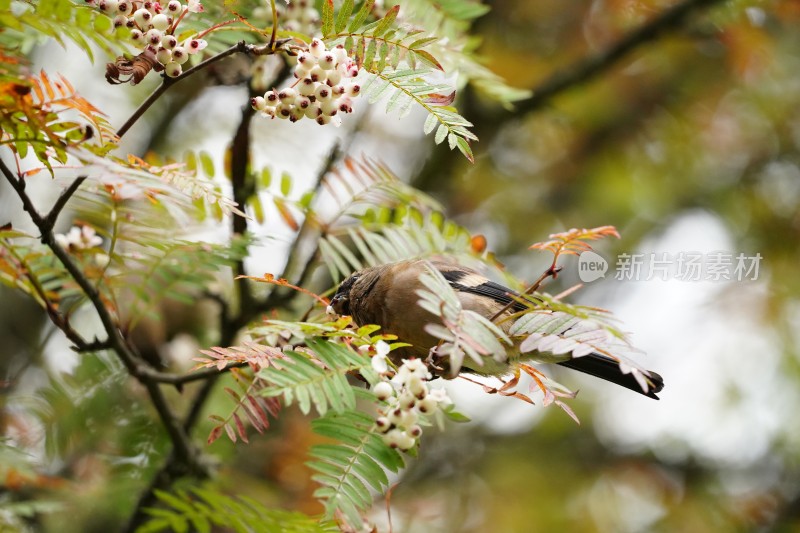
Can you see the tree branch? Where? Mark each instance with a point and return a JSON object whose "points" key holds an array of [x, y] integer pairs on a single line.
{"points": [[166, 83], [197, 375], [229, 326], [62, 200], [181, 444], [596, 64]]}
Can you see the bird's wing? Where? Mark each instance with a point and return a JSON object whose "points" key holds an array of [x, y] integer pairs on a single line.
{"points": [[594, 364], [474, 283]]}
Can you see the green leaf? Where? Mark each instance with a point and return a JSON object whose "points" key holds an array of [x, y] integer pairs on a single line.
{"points": [[345, 469], [205, 509], [361, 16], [206, 163], [369, 56], [265, 178], [465, 149], [386, 22], [428, 57], [345, 253], [286, 184], [191, 161], [455, 416], [441, 133], [327, 18], [102, 24], [344, 15], [309, 383], [258, 208]]}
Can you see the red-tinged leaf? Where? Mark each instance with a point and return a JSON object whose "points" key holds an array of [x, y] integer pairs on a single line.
{"points": [[231, 433], [386, 22], [361, 50], [240, 428], [549, 397], [440, 99], [521, 396], [47, 85], [251, 413], [214, 435], [534, 374], [254, 420], [428, 58], [511, 383], [69, 89], [37, 90], [216, 418], [567, 409], [32, 172], [286, 214], [489, 390], [273, 406], [259, 411], [573, 241], [233, 394]]}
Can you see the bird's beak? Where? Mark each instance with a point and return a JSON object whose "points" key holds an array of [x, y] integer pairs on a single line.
{"points": [[338, 305]]}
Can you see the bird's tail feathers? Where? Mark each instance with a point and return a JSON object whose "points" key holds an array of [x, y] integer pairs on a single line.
{"points": [[608, 369]]}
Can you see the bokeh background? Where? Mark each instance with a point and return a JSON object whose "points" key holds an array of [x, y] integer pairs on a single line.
{"points": [[689, 142]]}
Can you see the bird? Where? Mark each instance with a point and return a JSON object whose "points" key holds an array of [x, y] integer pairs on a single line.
{"points": [[386, 295]]}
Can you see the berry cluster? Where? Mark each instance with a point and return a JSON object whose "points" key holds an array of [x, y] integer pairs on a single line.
{"points": [[84, 241], [407, 397], [79, 238], [323, 89], [152, 28]]}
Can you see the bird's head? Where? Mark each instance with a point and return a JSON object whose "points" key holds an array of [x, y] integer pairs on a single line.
{"points": [[340, 303]]}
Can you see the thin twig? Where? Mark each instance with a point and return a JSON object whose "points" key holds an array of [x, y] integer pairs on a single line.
{"points": [[229, 326], [94, 346], [180, 440], [188, 377], [552, 271], [58, 319], [168, 82], [62, 200], [274, 33]]}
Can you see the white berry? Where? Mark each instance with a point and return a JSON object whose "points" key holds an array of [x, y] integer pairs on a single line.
{"points": [[160, 22], [173, 70], [383, 391], [180, 55]]}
